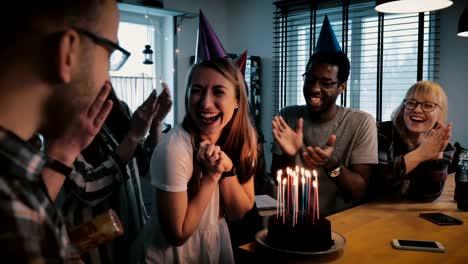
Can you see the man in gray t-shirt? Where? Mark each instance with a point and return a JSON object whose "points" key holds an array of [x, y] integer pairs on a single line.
{"points": [[340, 143]]}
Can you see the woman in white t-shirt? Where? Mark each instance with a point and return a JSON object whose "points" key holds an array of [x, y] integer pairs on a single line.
{"points": [[203, 169]]}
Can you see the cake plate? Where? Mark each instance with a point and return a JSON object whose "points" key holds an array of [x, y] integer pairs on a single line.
{"points": [[340, 242]]}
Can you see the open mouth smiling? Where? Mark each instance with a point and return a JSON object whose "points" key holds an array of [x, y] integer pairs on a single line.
{"points": [[417, 119], [210, 118]]}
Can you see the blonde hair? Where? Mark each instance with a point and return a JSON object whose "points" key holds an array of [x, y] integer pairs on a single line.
{"points": [[421, 88], [239, 138]]}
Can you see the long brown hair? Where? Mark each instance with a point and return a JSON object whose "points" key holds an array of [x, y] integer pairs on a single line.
{"points": [[238, 138], [423, 88]]}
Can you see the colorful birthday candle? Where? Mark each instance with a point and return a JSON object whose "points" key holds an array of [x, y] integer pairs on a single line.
{"points": [[314, 172], [303, 198], [282, 198], [278, 193], [308, 177], [314, 184]]}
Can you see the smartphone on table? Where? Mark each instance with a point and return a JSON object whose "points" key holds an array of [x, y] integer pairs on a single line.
{"points": [[421, 245], [441, 219]]}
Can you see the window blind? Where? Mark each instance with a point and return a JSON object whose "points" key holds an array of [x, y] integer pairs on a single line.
{"points": [[388, 53]]}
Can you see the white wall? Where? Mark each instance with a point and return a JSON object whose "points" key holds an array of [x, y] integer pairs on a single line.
{"points": [[240, 25], [215, 11], [454, 69], [250, 26]]}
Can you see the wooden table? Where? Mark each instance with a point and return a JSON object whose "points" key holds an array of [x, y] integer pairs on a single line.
{"points": [[369, 229]]}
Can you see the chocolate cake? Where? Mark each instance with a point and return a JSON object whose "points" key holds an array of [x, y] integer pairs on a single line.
{"points": [[303, 236]]}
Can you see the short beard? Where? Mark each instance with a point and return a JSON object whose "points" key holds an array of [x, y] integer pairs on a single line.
{"points": [[327, 103], [59, 112], [66, 103]]}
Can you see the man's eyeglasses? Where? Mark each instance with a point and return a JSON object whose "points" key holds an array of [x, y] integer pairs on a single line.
{"points": [[119, 55], [426, 106], [309, 80]]}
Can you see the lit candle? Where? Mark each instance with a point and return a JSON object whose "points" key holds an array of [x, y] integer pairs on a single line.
{"points": [[304, 186], [293, 198], [278, 193], [314, 172], [314, 183], [303, 198], [282, 199], [296, 192], [307, 174], [288, 186]]}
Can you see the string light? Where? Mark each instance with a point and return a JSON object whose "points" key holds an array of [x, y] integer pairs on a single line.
{"points": [[178, 27]]}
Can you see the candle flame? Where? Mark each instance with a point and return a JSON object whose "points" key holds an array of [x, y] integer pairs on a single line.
{"points": [[307, 174], [314, 172], [284, 181], [314, 183]]}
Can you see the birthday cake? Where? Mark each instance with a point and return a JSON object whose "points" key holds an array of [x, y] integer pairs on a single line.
{"points": [[297, 225], [305, 235]]}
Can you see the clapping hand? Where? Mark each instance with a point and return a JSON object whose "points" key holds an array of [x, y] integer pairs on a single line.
{"points": [[143, 116], [290, 141], [317, 156], [151, 113], [433, 145], [163, 105]]}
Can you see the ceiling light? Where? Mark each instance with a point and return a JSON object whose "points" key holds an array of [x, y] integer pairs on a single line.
{"points": [[463, 24], [410, 6]]}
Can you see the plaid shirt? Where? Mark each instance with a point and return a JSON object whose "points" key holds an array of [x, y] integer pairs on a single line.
{"points": [[91, 190], [424, 183], [32, 231]]}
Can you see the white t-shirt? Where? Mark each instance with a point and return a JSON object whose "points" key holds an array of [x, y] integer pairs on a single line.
{"points": [[171, 169]]}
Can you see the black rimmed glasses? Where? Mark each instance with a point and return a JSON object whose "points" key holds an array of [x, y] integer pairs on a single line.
{"points": [[309, 80], [426, 106], [118, 56]]}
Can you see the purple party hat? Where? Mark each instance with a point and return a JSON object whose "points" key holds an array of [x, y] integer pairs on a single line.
{"points": [[241, 62], [208, 45]]}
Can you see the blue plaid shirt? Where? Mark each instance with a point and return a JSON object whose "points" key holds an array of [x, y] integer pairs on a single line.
{"points": [[31, 229]]}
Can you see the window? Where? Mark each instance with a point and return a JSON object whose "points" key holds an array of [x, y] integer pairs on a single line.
{"points": [[379, 77], [135, 81]]}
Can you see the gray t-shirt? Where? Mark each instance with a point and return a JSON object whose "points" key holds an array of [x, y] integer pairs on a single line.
{"points": [[356, 143]]}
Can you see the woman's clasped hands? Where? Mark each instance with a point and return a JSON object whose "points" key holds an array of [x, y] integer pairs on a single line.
{"points": [[214, 161]]}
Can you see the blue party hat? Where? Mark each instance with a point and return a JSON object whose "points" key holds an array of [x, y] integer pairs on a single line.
{"points": [[327, 42], [208, 45]]}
